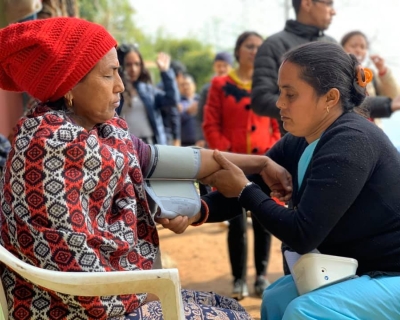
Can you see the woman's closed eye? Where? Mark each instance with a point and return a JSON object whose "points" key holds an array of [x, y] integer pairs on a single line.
{"points": [[287, 95], [110, 76]]}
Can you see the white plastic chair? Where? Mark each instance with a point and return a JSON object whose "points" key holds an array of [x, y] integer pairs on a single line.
{"points": [[164, 283]]}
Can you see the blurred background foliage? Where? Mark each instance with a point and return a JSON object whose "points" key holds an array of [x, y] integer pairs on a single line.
{"points": [[118, 17]]}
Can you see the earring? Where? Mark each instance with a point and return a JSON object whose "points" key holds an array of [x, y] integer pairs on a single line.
{"points": [[68, 100], [327, 109]]}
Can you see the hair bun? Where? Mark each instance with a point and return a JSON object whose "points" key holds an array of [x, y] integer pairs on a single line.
{"points": [[360, 81], [364, 76]]}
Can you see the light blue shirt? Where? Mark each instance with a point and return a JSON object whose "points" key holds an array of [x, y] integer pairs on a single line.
{"points": [[305, 161]]}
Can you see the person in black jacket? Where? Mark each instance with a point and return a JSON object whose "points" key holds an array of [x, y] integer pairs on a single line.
{"points": [[312, 18]]}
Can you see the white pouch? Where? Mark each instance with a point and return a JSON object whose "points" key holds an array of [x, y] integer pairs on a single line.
{"points": [[316, 270]]}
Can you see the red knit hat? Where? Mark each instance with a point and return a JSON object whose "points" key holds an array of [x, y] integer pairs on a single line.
{"points": [[48, 57]]}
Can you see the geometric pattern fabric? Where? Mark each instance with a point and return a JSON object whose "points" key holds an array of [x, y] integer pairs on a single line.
{"points": [[74, 200]]}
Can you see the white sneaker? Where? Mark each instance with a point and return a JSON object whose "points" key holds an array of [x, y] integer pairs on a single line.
{"points": [[240, 290]]}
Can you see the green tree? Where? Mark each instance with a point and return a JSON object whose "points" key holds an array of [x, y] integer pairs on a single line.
{"points": [[117, 18], [195, 55], [199, 65]]}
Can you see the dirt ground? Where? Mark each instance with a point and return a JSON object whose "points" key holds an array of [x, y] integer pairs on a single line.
{"points": [[201, 255]]}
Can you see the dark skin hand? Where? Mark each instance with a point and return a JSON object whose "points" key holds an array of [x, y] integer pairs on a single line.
{"points": [[177, 224], [230, 179], [279, 180]]}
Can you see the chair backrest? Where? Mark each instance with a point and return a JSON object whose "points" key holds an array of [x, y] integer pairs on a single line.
{"points": [[164, 283]]}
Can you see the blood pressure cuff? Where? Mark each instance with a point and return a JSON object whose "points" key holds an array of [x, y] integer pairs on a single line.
{"points": [[170, 181]]}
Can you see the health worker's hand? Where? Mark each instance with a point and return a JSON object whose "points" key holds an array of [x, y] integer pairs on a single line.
{"points": [[229, 180]]}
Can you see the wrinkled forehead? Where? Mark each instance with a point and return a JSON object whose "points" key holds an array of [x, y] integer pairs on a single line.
{"points": [[110, 58]]}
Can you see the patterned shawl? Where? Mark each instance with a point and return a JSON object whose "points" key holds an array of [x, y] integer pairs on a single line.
{"points": [[73, 200]]}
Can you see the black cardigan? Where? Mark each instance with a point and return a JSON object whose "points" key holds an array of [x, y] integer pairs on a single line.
{"points": [[349, 204]]}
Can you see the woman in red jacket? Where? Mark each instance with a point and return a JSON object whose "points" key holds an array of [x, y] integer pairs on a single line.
{"points": [[230, 125]]}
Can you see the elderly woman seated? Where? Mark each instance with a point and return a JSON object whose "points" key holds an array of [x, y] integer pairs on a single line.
{"points": [[73, 195]]}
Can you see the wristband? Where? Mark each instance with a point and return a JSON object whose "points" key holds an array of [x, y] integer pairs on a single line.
{"points": [[246, 185], [204, 214]]}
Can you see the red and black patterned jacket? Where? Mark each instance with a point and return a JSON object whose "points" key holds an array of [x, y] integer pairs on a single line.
{"points": [[74, 200]]}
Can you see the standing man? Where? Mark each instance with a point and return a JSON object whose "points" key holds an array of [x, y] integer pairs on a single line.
{"points": [[313, 17]]}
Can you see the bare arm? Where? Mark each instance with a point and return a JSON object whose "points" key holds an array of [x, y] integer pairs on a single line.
{"points": [[249, 164], [277, 178], [386, 85]]}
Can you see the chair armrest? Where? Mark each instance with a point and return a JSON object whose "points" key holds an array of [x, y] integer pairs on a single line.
{"points": [[164, 283]]}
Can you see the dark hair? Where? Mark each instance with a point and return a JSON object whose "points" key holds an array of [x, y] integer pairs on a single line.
{"points": [[296, 5], [178, 67], [350, 35], [224, 56], [242, 38], [122, 51], [325, 66], [189, 77]]}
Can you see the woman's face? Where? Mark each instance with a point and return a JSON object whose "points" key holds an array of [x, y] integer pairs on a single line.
{"points": [[96, 97], [358, 46], [248, 50], [302, 111], [132, 66]]}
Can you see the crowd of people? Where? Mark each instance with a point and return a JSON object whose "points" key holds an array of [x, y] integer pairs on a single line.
{"points": [[286, 130]]}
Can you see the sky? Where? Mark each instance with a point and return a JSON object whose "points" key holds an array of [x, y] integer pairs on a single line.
{"points": [[219, 22]]}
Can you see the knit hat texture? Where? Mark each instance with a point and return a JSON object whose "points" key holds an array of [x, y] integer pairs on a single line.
{"points": [[47, 58]]}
